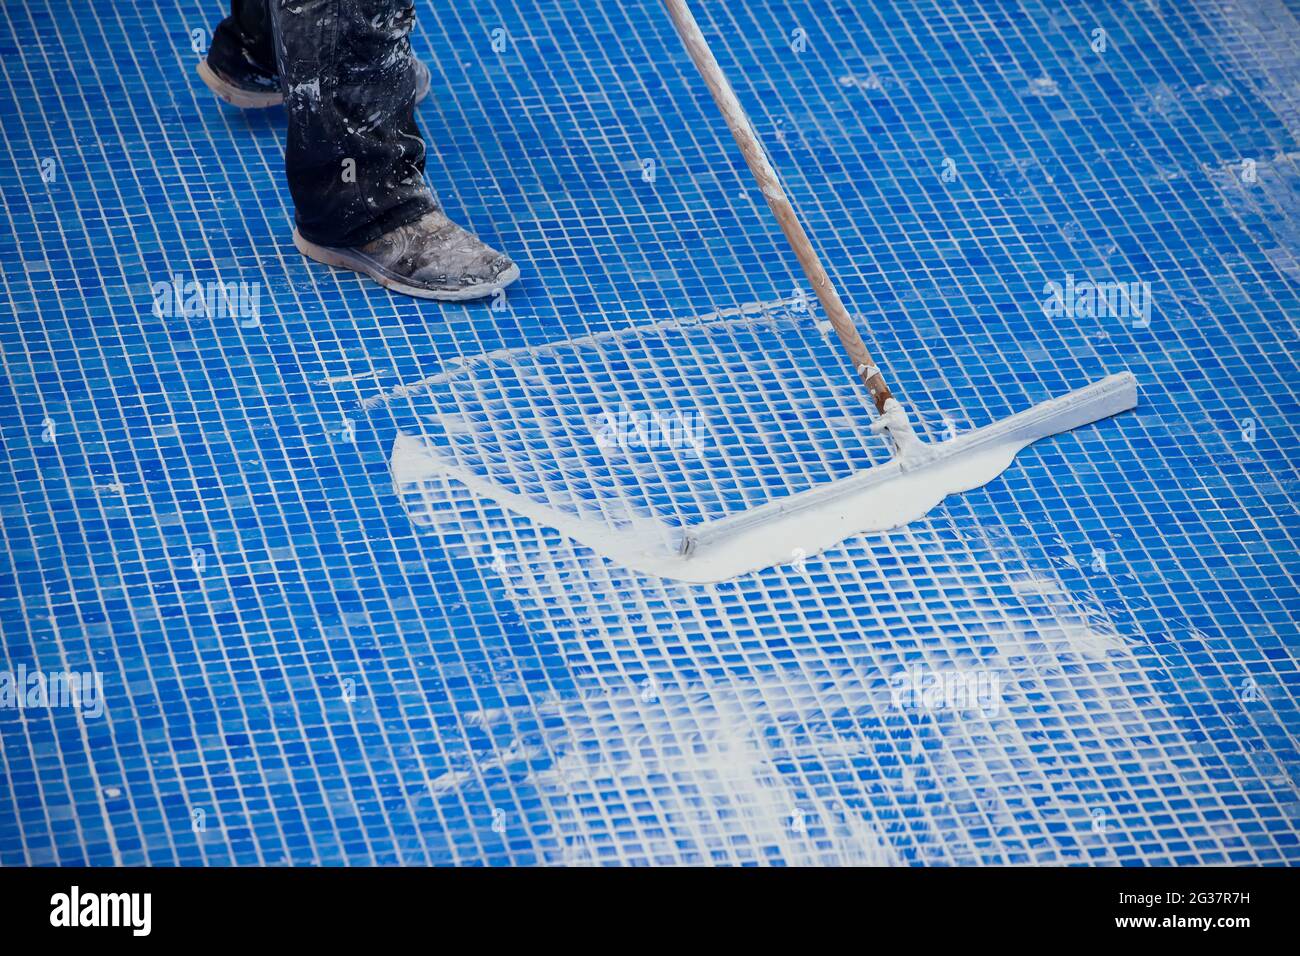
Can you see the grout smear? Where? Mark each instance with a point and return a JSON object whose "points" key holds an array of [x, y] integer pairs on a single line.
{"points": [[681, 449], [755, 722], [783, 528]]}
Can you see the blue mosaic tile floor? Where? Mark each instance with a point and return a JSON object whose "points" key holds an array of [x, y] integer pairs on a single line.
{"points": [[1091, 660]]}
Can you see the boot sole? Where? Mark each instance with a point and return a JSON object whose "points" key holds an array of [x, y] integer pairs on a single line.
{"points": [[234, 95], [347, 259]]}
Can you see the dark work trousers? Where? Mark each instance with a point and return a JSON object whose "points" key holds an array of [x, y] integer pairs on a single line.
{"points": [[355, 158]]}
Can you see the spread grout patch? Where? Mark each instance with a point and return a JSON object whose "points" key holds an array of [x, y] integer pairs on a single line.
{"points": [[699, 450], [624, 440], [835, 713]]}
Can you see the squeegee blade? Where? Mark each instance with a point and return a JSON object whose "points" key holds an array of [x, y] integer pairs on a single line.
{"points": [[894, 494]]}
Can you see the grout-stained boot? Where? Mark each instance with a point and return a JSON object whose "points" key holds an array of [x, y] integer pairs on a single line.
{"points": [[431, 258]]}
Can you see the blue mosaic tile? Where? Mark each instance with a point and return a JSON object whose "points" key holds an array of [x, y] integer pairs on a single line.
{"points": [[1090, 661]]}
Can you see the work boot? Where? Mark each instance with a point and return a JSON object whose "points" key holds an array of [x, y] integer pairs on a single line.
{"points": [[431, 258], [245, 84]]}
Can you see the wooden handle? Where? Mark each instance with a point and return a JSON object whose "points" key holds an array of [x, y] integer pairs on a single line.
{"points": [[747, 139]]}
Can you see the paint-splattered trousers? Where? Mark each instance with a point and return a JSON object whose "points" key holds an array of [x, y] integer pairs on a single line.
{"points": [[354, 158]]}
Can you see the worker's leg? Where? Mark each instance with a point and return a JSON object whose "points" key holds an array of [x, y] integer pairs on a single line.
{"points": [[241, 68], [355, 157]]}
